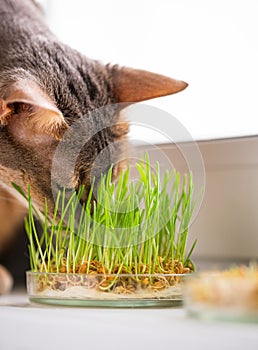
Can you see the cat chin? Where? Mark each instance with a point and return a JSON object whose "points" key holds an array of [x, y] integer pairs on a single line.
{"points": [[6, 281]]}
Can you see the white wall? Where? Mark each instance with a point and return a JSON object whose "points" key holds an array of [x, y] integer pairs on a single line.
{"points": [[210, 44], [225, 221]]}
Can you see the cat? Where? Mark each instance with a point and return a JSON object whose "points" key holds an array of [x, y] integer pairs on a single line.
{"points": [[46, 86]]}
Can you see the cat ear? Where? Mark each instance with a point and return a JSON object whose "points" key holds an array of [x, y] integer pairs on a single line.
{"points": [[135, 85], [27, 100]]}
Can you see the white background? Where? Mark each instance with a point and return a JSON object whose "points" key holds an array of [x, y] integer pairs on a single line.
{"points": [[213, 45]]}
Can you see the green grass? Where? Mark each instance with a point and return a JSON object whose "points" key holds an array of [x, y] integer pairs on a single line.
{"points": [[138, 226]]}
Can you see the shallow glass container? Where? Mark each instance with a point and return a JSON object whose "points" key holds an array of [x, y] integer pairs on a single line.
{"points": [[105, 290], [222, 296]]}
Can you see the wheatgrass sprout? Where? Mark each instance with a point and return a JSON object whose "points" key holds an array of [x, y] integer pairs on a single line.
{"points": [[127, 227]]}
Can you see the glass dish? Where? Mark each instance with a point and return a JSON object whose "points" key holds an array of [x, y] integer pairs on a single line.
{"points": [[96, 290], [223, 296]]}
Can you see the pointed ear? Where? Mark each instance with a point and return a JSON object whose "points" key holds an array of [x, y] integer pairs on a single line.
{"points": [[135, 85], [26, 99]]}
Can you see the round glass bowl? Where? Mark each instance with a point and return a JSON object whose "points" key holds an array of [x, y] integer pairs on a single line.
{"points": [[104, 290], [228, 295]]}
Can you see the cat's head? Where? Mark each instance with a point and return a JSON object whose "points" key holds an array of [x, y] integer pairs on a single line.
{"points": [[41, 101]]}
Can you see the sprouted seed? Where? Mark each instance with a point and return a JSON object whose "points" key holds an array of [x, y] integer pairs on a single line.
{"points": [[124, 228]]}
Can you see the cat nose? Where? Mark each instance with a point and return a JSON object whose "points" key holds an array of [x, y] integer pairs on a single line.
{"points": [[60, 189]]}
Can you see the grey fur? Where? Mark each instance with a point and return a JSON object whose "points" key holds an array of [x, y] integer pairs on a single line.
{"points": [[76, 84]]}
